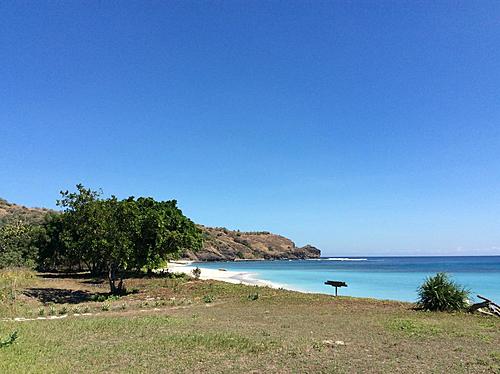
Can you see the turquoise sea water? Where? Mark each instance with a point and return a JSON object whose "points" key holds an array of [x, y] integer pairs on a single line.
{"points": [[394, 278]]}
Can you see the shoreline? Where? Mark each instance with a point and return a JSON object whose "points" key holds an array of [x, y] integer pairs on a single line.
{"points": [[372, 281], [246, 278], [228, 276], [369, 278]]}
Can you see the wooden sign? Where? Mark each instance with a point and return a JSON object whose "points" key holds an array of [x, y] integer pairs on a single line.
{"points": [[336, 284]]}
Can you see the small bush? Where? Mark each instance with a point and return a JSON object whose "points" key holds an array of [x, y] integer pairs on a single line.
{"points": [[9, 340], [102, 298], [63, 310], [17, 245], [177, 275], [196, 273], [440, 293], [12, 280], [105, 307], [253, 296], [208, 299]]}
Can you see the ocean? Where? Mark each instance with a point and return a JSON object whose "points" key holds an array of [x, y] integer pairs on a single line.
{"points": [[391, 278]]}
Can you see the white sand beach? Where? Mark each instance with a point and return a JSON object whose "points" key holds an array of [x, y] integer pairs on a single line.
{"points": [[235, 277]]}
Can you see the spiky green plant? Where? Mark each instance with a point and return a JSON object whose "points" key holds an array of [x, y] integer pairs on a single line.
{"points": [[440, 293]]}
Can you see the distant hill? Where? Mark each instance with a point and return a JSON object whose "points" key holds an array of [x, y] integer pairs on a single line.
{"points": [[10, 212], [219, 243], [223, 244]]}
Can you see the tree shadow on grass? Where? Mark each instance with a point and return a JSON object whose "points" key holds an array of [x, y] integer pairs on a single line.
{"points": [[59, 295], [65, 275], [88, 278]]}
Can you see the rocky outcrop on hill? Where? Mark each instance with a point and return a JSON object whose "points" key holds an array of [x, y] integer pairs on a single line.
{"points": [[224, 244]]}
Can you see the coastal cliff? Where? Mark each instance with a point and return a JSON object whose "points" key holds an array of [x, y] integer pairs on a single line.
{"points": [[223, 244]]}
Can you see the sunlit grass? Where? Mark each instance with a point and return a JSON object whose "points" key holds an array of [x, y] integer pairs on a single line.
{"points": [[168, 326]]}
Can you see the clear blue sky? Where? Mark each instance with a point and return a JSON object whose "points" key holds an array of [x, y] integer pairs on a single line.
{"points": [[362, 127]]}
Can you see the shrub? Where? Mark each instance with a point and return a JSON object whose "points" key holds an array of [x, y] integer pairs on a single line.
{"points": [[102, 298], [440, 293], [17, 245], [177, 276], [208, 299], [11, 280], [196, 273], [9, 340], [63, 310], [253, 296], [245, 242]]}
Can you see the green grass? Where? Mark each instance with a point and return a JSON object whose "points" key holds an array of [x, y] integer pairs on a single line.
{"points": [[168, 327], [415, 328]]}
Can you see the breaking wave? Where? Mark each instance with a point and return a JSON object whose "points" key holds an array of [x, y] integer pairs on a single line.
{"points": [[344, 259]]}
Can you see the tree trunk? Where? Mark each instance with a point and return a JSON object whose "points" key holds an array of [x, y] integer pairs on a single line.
{"points": [[111, 279], [115, 290]]}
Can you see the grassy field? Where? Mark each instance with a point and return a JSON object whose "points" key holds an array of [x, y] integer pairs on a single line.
{"points": [[181, 325]]}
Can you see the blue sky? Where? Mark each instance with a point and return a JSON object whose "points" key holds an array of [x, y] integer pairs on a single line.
{"points": [[361, 127]]}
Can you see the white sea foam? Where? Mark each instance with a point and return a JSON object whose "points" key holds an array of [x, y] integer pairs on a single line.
{"points": [[338, 259], [223, 275], [345, 259]]}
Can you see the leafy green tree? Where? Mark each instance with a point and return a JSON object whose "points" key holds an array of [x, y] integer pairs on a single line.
{"points": [[114, 236], [52, 251], [83, 227], [17, 248], [117, 244], [163, 232]]}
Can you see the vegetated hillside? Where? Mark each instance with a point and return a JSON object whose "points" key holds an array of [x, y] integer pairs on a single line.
{"points": [[10, 212], [219, 243], [222, 244]]}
